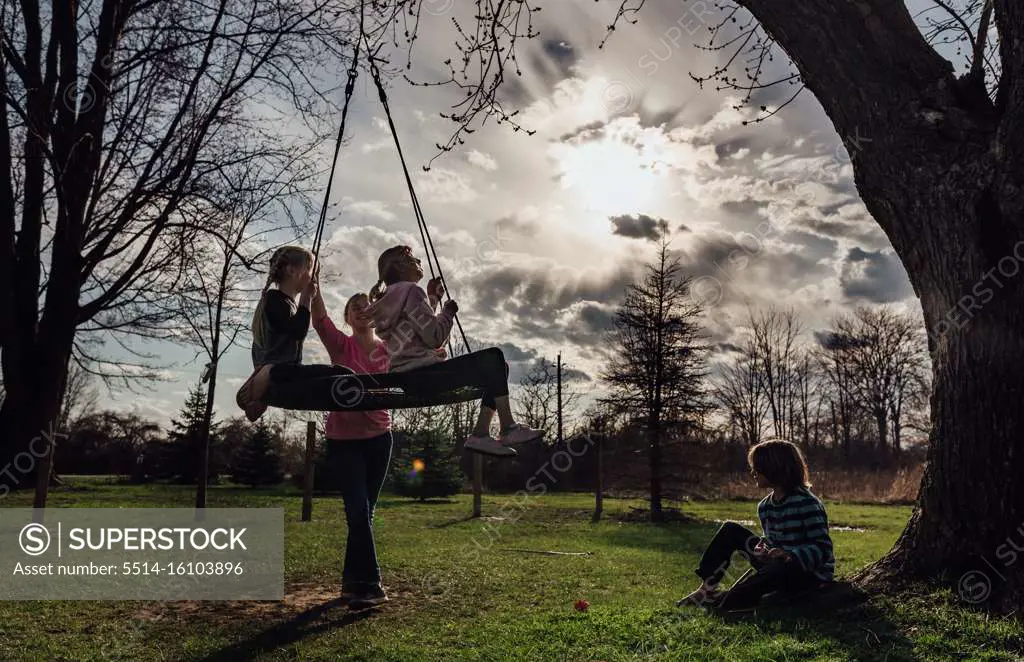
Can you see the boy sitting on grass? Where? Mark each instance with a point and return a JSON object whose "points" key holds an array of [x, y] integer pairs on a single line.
{"points": [[796, 550]]}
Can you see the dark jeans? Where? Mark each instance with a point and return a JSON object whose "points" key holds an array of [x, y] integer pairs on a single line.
{"points": [[484, 369], [772, 575], [329, 388], [360, 467]]}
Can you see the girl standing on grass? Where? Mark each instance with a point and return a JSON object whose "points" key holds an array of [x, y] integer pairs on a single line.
{"points": [[796, 550], [358, 448], [407, 320]]}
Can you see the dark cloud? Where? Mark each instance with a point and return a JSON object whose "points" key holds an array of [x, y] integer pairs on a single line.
{"points": [[597, 318], [513, 92], [830, 340], [683, 228], [874, 276], [666, 118], [552, 63], [569, 374], [862, 229], [817, 246], [514, 352], [562, 54], [746, 208], [585, 133], [727, 148], [535, 302], [744, 259], [639, 226], [515, 225]]}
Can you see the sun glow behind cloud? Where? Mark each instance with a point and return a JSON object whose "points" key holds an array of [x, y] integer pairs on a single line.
{"points": [[624, 168]]}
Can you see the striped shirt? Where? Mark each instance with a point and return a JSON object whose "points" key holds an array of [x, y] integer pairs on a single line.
{"points": [[799, 525]]}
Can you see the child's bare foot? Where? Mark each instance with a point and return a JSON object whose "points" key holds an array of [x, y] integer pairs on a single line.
{"points": [[251, 396]]}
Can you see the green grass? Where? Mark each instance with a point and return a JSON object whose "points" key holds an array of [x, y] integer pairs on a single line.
{"points": [[492, 604]]}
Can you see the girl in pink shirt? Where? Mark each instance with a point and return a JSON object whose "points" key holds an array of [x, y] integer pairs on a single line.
{"points": [[358, 447]]}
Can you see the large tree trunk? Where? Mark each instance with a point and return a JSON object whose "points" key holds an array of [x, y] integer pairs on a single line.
{"points": [[28, 416], [957, 229], [941, 169]]}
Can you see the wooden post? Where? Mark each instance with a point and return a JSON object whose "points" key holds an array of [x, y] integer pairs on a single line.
{"points": [[307, 492], [599, 492], [478, 483]]}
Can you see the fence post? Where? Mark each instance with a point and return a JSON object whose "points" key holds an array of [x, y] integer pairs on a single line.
{"points": [[307, 492], [478, 483], [599, 492]]}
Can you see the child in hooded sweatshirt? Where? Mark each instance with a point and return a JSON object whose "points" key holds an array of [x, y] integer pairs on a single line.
{"points": [[407, 320]]}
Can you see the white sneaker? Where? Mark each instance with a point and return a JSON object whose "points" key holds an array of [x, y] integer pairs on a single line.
{"points": [[517, 433], [488, 446]]}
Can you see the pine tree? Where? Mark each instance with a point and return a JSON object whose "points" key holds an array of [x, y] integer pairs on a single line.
{"points": [[181, 460], [658, 366], [259, 461], [426, 469]]}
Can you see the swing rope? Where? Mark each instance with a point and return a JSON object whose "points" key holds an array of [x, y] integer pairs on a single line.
{"points": [[428, 243], [350, 86], [421, 222]]}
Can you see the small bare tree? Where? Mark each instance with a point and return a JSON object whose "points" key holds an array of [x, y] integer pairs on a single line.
{"points": [[120, 117], [775, 335], [537, 396], [887, 352], [739, 394]]}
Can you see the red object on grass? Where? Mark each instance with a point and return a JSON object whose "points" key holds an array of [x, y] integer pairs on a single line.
{"points": [[582, 605]]}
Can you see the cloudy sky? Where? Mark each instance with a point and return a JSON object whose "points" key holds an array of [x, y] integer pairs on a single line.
{"points": [[539, 235]]}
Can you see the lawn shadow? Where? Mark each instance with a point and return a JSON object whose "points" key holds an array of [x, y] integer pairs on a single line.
{"points": [[331, 615], [841, 613], [452, 522]]}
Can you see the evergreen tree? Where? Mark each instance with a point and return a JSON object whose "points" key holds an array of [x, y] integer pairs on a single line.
{"points": [[425, 469], [658, 366], [181, 460], [259, 461]]}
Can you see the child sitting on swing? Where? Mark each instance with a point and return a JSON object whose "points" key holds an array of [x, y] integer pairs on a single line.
{"points": [[407, 323], [406, 319], [280, 324], [796, 550]]}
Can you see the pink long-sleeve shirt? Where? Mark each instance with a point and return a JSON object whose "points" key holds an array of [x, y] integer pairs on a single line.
{"points": [[345, 350]]}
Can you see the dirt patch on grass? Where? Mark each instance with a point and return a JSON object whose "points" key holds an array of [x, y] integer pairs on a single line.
{"points": [[298, 599]]}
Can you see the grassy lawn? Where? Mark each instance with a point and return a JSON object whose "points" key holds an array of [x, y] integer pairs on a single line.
{"points": [[449, 603]]}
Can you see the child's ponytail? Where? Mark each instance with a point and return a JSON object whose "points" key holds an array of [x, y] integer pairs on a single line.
{"points": [[282, 258], [257, 316], [387, 270], [377, 291]]}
